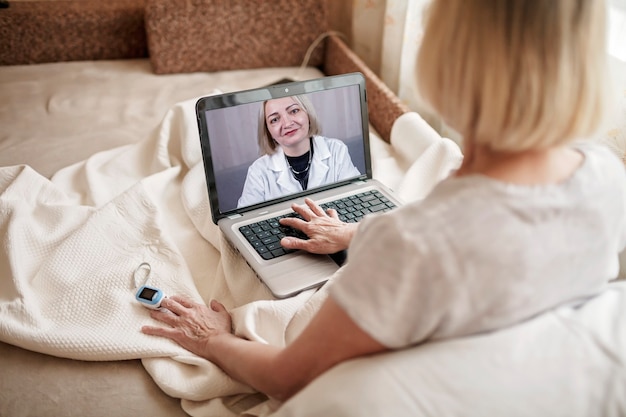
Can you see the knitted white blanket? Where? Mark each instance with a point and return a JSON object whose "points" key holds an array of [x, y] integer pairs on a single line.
{"points": [[70, 246]]}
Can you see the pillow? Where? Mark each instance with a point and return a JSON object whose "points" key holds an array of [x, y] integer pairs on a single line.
{"points": [[216, 35], [35, 32]]}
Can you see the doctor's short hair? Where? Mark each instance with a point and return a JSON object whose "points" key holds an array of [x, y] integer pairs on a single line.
{"points": [[267, 144], [515, 75]]}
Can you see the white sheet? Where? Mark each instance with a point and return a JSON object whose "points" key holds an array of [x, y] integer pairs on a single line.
{"points": [[73, 242]]}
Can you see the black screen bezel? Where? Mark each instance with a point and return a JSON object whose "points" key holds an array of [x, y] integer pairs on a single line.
{"points": [[270, 92]]}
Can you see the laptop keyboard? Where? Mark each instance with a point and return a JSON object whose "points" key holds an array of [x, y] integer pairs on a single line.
{"points": [[265, 235]]}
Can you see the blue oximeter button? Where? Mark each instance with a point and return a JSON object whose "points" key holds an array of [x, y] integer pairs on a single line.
{"points": [[150, 297]]}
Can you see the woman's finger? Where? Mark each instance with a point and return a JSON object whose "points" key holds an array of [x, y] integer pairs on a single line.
{"points": [[182, 300], [302, 211], [316, 209], [332, 213], [292, 243], [174, 305], [155, 331], [217, 306], [165, 316], [293, 222]]}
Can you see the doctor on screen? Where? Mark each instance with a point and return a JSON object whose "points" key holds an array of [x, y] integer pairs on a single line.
{"points": [[295, 157]]}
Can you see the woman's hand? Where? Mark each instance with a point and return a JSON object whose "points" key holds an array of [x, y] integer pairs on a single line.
{"points": [[327, 234], [192, 325], [330, 337]]}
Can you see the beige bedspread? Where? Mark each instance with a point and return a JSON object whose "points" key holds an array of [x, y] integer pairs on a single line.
{"points": [[53, 115], [72, 243]]}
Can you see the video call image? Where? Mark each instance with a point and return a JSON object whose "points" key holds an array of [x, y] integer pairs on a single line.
{"points": [[262, 151]]}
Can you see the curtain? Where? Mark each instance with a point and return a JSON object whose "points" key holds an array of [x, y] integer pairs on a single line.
{"points": [[386, 34], [615, 132]]}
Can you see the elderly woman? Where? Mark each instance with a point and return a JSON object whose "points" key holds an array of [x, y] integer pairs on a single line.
{"points": [[534, 218]]}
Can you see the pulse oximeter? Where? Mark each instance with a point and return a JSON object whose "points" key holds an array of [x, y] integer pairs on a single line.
{"points": [[150, 297]]}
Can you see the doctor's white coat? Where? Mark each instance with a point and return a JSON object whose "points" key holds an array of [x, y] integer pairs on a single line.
{"points": [[269, 176]]}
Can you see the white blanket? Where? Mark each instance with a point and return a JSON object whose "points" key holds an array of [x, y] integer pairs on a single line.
{"points": [[70, 246]]}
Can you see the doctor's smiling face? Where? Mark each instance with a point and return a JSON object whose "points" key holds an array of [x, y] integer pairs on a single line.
{"points": [[287, 122]]}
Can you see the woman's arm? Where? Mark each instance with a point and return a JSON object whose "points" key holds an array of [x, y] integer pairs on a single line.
{"points": [[330, 338]]}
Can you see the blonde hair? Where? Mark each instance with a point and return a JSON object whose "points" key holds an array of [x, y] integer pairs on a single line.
{"points": [[267, 144], [515, 75]]}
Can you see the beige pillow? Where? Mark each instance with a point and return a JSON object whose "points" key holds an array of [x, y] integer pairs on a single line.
{"points": [[216, 35]]}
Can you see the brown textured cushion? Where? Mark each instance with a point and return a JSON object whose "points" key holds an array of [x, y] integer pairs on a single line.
{"points": [[49, 31], [216, 35]]}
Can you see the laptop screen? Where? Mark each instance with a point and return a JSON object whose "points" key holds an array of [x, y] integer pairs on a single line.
{"points": [[282, 141]]}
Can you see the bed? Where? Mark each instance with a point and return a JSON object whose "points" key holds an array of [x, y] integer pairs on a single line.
{"points": [[101, 171]]}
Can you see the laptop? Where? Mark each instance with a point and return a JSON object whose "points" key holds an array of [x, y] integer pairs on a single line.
{"points": [[246, 201]]}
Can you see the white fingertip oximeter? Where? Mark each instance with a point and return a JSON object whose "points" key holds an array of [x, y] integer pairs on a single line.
{"points": [[150, 297]]}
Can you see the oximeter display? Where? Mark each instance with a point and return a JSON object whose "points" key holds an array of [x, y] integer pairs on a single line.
{"points": [[147, 293], [150, 297]]}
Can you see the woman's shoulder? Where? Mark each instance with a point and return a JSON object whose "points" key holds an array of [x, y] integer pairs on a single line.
{"points": [[600, 158], [592, 147]]}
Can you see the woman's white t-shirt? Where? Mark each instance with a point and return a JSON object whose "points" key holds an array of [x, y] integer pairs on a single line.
{"points": [[478, 254]]}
